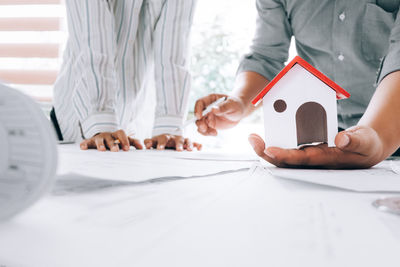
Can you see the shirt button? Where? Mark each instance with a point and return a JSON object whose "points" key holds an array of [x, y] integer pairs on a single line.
{"points": [[342, 16], [341, 57]]}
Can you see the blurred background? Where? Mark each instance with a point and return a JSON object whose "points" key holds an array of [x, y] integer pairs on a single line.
{"points": [[33, 34]]}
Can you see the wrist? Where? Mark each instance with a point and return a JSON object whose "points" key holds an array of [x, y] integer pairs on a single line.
{"points": [[245, 103], [99, 122], [381, 149], [242, 95], [386, 147], [247, 87]]}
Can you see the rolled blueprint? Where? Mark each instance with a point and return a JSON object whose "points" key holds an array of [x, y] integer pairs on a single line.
{"points": [[28, 152]]}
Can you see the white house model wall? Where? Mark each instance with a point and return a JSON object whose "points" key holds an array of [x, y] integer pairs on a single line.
{"points": [[297, 87]]}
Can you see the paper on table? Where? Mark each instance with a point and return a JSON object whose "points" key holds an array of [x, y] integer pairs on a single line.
{"points": [[140, 165], [262, 221], [380, 178], [212, 154], [114, 227], [395, 166], [209, 155]]}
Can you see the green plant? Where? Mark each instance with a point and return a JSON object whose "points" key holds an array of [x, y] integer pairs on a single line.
{"points": [[215, 58]]}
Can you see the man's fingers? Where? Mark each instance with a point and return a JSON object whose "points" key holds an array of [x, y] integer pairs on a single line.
{"points": [[91, 143], [110, 143], [259, 147], [135, 143], [292, 157], [188, 145], [198, 108], [149, 143], [179, 142], [123, 139], [231, 110], [358, 147], [203, 128], [198, 146], [211, 132], [224, 108], [202, 125], [313, 156], [320, 156], [169, 141], [162, 141], [99, 140], [86, 144], [258, 144], [204, 102], [361, 141], [211, 120]]}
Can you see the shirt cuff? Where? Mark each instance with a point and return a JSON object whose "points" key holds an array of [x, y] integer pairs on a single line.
{"points": [[168, 125], [98, 123]]}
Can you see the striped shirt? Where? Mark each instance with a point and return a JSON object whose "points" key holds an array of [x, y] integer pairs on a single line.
{"points": [[113, 50]]}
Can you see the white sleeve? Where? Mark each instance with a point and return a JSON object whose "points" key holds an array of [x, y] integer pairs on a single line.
{"points": [[91, 33], [171, 56]]}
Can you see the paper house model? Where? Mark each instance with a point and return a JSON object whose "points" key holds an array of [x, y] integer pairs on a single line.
{"points": [[300, 106]]}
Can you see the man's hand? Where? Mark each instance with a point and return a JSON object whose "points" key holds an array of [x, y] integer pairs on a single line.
{"points": [[357, 147], [225, 115], [112, 141], [177, 142]]}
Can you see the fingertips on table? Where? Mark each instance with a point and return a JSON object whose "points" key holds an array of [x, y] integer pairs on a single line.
{"points": [[162, 141], [121, 139], [110, 142], [188, 145], [136, 143], [179, 142], [99, 141]]}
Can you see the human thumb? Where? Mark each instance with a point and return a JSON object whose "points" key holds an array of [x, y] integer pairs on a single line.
{"points": [[358, 140]]}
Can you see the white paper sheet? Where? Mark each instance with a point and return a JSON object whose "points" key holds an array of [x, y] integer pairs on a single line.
{"points": [[206, 155], [274, 222], [111, 227], [138, 166], [380, 178], [237, 219], [395, 165]]}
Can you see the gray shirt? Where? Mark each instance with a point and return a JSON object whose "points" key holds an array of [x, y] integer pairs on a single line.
{"points": [[354, 42]]}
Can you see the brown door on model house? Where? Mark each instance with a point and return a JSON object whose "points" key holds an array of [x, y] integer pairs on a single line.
{"points": [[311, 124]]}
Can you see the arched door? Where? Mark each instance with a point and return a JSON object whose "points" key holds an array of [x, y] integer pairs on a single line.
{"points": [[311, 124]]}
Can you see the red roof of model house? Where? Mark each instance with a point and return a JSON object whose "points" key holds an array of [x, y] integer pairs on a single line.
{"points": [[340, 92]]}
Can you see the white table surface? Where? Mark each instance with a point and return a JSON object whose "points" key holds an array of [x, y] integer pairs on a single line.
{"points": [[234, 219]]}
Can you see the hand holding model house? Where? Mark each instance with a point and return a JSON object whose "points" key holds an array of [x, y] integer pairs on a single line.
{"points": [[300, 107], [301, 127], [300, 112]]}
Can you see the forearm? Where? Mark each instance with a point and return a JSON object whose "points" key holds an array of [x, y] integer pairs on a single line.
{"points": [[383, 113], [248, 84], [91, 52], [172, 75]]}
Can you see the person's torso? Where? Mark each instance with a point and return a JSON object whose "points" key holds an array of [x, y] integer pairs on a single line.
{"points": [[345, 39]]}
